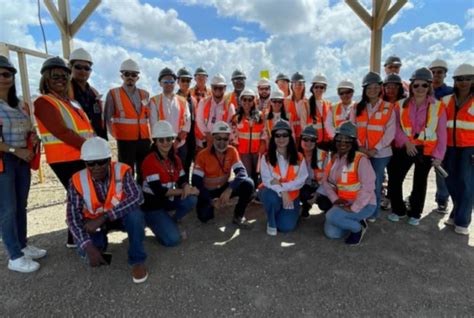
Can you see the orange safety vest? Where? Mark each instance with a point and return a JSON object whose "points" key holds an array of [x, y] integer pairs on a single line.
{"points": [[427, 137], [295, 121], [207, 113], [348, 184], [216, 173], [291, 174], [372, 129], [460, 122], [93, 208], [199, 95], [231, 98], [158, 100], [126, 123], [248, 134], [318, 173], [75, 119], [339, 115], [318, 121]]}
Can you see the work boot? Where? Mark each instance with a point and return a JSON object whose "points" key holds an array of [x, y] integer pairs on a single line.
{"points": [[139, 273]]}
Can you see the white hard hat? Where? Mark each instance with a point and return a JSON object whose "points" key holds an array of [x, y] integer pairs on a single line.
{"points": [[129, 65], [463, 70], [162, 129], [81, 55], [277, 94], [320, 78], [221, 127], [95, 148], [247, 92], [218, 80], [438, 63], [263, 82], [345, 84]]}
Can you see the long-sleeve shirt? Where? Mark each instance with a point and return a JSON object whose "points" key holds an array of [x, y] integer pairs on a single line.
{"points": [[418, 122], [268, 175], [75, 205], [15, 124], [366, 174], [383, 147], [216, 113]]}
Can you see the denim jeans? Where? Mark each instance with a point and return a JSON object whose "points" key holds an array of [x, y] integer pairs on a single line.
{"points": [[14, 189], [442, 193], [164, 226], [379, 165], [340, 222], [460, 183], [285, 220]]}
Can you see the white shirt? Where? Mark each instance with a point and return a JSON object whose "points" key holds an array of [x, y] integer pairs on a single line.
{"points": [[216, 113], [268, 175]]}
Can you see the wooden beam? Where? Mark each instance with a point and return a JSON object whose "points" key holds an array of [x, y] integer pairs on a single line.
{"points": [[66, 37], [18, 49], [83, 15], [393, 10], [4, 50], [381, 9], [55, 15], [361, 12]]}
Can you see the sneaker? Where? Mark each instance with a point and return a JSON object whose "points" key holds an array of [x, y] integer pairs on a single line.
{"points": [[393, 217], [442, 209], [372, 220], [139, 273], [413, 221], [33, 252], [272, 231], [355, 238], [449, 222], [71, 245], [461, 230], [23, 264], [242, 223]]}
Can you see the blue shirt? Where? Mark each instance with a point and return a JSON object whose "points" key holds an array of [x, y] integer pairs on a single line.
{"points": [[15, 125], [442, 91]]}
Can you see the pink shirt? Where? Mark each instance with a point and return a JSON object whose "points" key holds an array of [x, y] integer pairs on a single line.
{"points": [[366, 175], [418, 122]]}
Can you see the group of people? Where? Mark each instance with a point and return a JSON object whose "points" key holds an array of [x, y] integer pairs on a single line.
{"points": [[202, 149]]}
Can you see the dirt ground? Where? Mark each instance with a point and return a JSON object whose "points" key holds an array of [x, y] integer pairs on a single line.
{"points": [[399, 270]]}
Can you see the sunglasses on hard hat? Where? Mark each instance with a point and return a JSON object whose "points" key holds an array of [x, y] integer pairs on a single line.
{"points": [[6, 74], [463, 78], [97, 162], [422, 85], [82, 67], [217, 138], [167, 139], [130, 74]]}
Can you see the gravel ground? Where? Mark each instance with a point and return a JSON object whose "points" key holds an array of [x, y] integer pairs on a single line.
{"points": [[398, 270]]}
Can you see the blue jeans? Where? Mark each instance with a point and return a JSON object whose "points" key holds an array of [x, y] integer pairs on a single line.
{"points": [[134, 224], [164, 226], [14, 189], [442, 193], [340, 222], [460, 183], [379, 165], [284, 220]]}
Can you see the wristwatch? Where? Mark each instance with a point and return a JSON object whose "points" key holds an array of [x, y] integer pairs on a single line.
{"points": [[11, 150]]}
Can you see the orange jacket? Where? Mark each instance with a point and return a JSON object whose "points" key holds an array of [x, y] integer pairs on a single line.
{"points": [[248, 134], [348, 184], [372, 129], [460, 122], [216, 173], [158, 101]]}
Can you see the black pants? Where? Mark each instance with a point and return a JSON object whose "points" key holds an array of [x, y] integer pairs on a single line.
{"points": [[397, 171], [133, 152], [204, 209], [64, 171], [306, 192]]}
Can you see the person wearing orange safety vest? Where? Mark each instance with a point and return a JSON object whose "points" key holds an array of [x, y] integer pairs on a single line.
{"points": [[375, 121], [62, 123], [127, 116], [104, 197], [296, 105], [172, 108], [343, 110], [211, 110], [421, 141], [284, 172], [238, 81], [275, 112], [320, 112], [264, 92], [200, 91], [283, 83], [393, 65], [249, 133], [349, 183], [459, 158]]}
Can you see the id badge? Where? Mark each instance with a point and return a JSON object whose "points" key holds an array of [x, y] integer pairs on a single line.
{"points": [[378, 115]]}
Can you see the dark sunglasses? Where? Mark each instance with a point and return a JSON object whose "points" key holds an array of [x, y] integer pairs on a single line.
{"points": [[343, 141], [221, 138], [82, 67], [169, 82], [6, 74], [463, 78], [130, 74], [277, 101], [284, 135], [167, 139], [345, 93], [217, 88], [247, 100], [308, 139], [59, 77], [185, 80], [264, 88], [319, 87], [97, 162], [441, 72], [422, 85]]}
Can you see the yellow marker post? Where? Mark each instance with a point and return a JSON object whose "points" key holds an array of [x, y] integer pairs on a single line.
{"points": [[265, 74]]}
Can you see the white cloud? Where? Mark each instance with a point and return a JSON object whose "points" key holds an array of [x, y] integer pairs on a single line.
{"points": [[238, 29], [469, 19]]}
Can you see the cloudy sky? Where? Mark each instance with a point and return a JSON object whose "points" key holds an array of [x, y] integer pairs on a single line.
{"points": [[309, 36]]}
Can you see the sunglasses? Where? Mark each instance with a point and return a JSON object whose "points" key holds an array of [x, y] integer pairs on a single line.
{"points": [[82, 67], [59, 77], [343, 141], [341, 93], [97, 162], [217, 88], [130, 74], [422, 85], [264, 88], [308, 139], [277, 101], [319, 87], [440, 72], [248, 100], [282, 135], [463, 79], [6, 74], [217, 138], [169, 82], [185, 80], [167, 139]]}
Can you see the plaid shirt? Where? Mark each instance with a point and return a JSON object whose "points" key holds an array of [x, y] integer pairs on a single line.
{"points": [[75, 206], [15, 124]]}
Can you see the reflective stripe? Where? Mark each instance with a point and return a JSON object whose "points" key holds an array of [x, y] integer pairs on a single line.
{"points": [[118, 101], [461, 124], [198, 172], [120, 120], [49, 139], [249, 135], [153, 177], [352, 188], [375, 127], [86, 190], [146, 188], [182, 173]]}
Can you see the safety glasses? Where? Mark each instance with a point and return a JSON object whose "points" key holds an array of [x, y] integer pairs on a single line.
{"points": [[168, 82], [97, 162], [422, 85], [247, 100], [130, 74], [308, 139], [284, 135], [82, 68], [6, 74], [217, 138], [167, 139]]}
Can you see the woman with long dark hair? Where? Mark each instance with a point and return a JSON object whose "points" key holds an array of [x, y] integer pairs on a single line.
{"points": [[283, 174], [349, 183], [343, 110], [16, 131], [276, 112], [320, 112], [297, 105], [393, 88]]}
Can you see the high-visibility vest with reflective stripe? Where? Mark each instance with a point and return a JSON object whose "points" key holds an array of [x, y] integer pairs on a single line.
{"points": [[202, 94], [93, 208], [295, 121], [318, 173], [460, 123], [370, 130], [156, 171], [427, 137], [97, 96], [319, 120], [207, 113], [231, 98], [291, 174], [75, 119], [347, 184], [339, 114], [248, 135], [270, 122], [127, 124], [158, 100]]}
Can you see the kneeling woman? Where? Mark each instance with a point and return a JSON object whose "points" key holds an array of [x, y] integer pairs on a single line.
{"points": [[165, 187], [283, 174], [349, 183]]}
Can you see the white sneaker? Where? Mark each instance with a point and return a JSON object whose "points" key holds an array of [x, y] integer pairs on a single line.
{"points": [[461, 230], [271, 230], [33, 252], [23, 265], [449, 221]]}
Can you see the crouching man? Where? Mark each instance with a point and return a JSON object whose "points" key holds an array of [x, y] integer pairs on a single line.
{"points": [[105, 197], [211, 176]]}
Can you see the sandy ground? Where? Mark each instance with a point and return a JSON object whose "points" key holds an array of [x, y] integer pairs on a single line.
{"points": [[399, 270]]}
